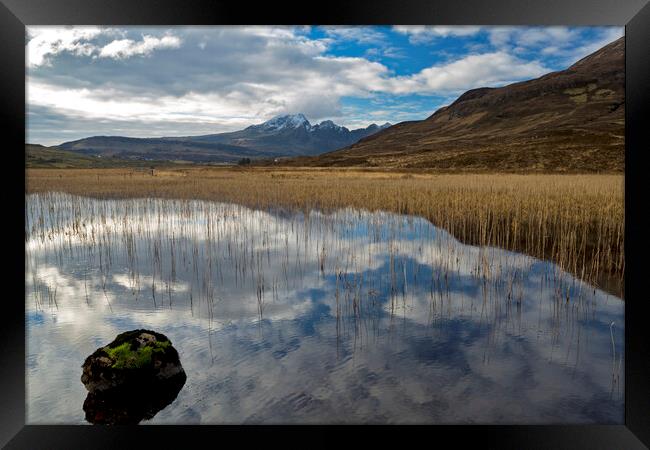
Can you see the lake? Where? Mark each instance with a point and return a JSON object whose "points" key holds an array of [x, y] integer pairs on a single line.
{"points": [[311, 317]]}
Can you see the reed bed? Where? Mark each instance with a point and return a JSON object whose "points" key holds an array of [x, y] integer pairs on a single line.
{"points": [[576, 221]]}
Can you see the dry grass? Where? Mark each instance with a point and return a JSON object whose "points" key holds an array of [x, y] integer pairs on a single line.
{"points": [[575, 220]]}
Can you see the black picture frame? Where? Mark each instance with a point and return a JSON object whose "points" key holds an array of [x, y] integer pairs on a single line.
{"points": [[633, 14]]}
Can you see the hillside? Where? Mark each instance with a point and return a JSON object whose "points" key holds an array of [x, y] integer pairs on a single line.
{"points": [[56, 158], [169, 149], [571, 120]]}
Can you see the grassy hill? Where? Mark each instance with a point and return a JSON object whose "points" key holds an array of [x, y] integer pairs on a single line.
{"points": [[39, 156]]}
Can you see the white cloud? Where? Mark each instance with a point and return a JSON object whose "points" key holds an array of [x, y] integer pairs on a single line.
{"points": [[45, 42], [488, 69], [125, 48], [114, 105], [420, 34], [527, 37], [248, 102], [359, 34], [573, 53], [567, 44]]}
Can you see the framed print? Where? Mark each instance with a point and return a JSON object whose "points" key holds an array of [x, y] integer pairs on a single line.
{"points": [[418, 216]]}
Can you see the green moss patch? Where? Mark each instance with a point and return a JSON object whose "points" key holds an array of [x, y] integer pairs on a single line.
{"points": [[161, 346], [129, 336], [125, 358], [128, 356]]}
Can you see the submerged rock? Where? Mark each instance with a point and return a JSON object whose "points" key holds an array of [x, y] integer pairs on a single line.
{"points": [[132, 378]]}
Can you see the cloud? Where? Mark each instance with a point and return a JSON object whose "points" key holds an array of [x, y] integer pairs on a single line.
{"points": [[572, 53], [420, 34], [565, 45], [359, 34], [527, 37], [488, 69], [375, 37], [45, 42], [125, 48], [227, 104], [376, 53], [223, 78]]}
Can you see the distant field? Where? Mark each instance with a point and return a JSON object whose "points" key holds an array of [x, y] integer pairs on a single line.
{"points": [[575, 220], [37, 156]]}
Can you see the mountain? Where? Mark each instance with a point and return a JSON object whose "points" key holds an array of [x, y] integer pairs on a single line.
{"points": [[287, 135], [570, 120], [291, 135]]}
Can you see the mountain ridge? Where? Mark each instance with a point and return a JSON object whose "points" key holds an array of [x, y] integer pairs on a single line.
{"points": [[281, 136]]}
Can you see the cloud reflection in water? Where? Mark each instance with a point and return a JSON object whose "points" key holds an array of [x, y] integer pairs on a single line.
{"points": [[349, 317]]}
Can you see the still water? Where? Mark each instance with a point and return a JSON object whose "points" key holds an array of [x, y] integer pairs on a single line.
{"points": [[284, 317]]}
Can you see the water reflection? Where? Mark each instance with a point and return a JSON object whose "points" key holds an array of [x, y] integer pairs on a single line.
{"points": [[130, 407], [350, 317]]}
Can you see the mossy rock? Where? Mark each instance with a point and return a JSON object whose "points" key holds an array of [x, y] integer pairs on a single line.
{"points": [[131, 378], [133, 358]]}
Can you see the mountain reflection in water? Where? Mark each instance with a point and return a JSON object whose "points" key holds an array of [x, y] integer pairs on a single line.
{"points": [[281, 317]]}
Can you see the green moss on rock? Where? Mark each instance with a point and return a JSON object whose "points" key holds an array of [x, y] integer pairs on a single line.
{"points": [[129, 336], [125, 358], [128, 357]]}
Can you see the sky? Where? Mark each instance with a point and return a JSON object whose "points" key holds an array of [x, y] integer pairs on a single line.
{"points": [[184, 81]]}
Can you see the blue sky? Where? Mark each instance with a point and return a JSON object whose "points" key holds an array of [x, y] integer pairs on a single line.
{"points": [[180, 81]]}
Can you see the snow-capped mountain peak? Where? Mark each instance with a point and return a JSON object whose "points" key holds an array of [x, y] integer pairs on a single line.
{"points": [[298, 121], [328, 124], [287, 121]]}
